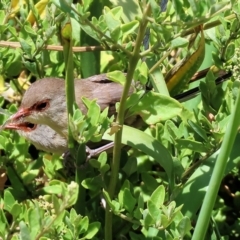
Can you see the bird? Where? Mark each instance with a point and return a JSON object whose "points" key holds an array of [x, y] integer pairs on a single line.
{"points": [[41, 136], [44, 102], [42, 116]]}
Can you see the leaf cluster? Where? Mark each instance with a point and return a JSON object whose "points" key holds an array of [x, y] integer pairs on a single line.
{"points": [[153, 187]]}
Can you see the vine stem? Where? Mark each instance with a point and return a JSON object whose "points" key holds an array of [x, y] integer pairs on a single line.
{"points": [[134, 58]]}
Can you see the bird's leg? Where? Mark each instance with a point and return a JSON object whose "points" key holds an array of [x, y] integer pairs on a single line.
{"points": [[95, 152], [67, 158]]}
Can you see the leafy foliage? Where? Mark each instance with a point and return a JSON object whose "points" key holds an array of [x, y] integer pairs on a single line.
{"points": [[154, 187]]}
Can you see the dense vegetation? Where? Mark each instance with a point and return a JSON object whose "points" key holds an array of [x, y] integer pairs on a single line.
{"points": [[183, 155]]}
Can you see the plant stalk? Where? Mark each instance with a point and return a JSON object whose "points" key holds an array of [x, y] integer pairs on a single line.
{"points": [[218, 173], [70, 99], [135, 56]]}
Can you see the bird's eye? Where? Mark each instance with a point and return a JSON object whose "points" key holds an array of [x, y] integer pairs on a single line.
{"points": [[30, 126], [26, 126], [41, 106]]}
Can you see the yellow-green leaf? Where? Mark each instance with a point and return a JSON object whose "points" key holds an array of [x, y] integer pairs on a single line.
{"points": [[41, 8], [178, 77]]}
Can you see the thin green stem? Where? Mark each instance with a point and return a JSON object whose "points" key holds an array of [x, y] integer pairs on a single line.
{"points": [[135, 56], [156, 65], [206, 26], [218, 172], [187, 32]]}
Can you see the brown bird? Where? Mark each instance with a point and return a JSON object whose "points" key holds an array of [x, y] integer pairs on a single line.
{"points": [[44, 102]]}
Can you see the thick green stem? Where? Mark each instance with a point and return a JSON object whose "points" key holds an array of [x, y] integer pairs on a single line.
{"points": [[211, 195], [135, 56], [70, 99], [69, 81], [81, 171]]}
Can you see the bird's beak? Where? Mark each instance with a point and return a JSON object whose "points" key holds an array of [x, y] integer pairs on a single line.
{"points": [[14, 126], [21, 113]]}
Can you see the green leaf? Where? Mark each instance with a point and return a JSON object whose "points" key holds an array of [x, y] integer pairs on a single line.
{"points": [[129, 200], [84, 223], [9, 200], [93, 184], [2, 142], [158, 196], [164, 221], [150, 182], [219, 7], [131, 9], [179, 42], [168, 236], [17, 209], [142, 72], [154, 211], [4, 222], [30, 30], [93, 228], [108, 199], [170, 128], [116, 11], [198, 129], [154, 107], [73, 215], [234, 25], [78, 115], [27, 48], [133, 100], [146, 143], [192, 145], [230, 51], [156, 9], [94, 163], [2, 17], [140, 205], [24, 231], [125, 185], [116, 34], [116, 207], [65, 7], [170, 209], [30, 175], [53, 189], [184, 226], [158, 82], [129, 28], [130, 167], [197, 184], [102, 159], [93, 113], [178, 77], [111, 21], [56, 204], [31, 66], [117, 76], [147, 218], [34, 221]]}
